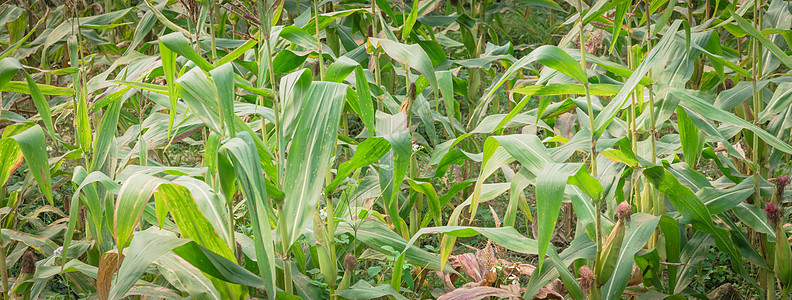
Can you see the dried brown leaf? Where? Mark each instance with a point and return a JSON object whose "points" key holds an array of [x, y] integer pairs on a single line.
{"points": [[636, 277], [545, 293], [481, 292], [448, 284], [107, 267], [469, 265]]}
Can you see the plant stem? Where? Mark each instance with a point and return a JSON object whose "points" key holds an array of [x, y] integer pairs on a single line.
{"points": [[318, 41], [767, 278], [276, 109], [264, 40], [658, 207], [214, 61], [757, 103], [631, 65], [212, 33], [287, 278], [375, 56], [652, 126], [588, 94], [3, 269], [592, 129], [651, 96], [594, 293]]}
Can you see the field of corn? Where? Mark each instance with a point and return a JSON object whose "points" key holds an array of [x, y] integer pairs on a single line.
{"points": [[372, 149]]}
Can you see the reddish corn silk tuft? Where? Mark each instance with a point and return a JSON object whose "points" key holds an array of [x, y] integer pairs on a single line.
{"points": [[586, 278], [28, 265], [623, 212], [781, 183], [774, 213], [350, 261]]}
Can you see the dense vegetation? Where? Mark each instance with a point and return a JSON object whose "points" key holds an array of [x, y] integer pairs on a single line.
{"points": [[362, 149]]}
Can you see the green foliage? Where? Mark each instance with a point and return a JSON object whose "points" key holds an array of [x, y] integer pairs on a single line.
{"points": [[348, 149]]}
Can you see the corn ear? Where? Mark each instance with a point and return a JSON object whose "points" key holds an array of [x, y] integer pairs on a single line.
{"points": [[326, 265], [603, 269], [783, 258]]}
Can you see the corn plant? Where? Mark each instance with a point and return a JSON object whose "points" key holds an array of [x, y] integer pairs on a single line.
{"points": [[239, 149]]}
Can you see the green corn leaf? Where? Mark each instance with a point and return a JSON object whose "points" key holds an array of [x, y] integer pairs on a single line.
{"points": [[287, 60], [164, 20], [365, 102], [84, 181], [689, 136], [32, 143], [639, 230], [45, 89], [618, 20], [657, 55], [755, 218], [550, 186], [378, 236], [169, 68], [239, 51], [410, 22], [144, 86], [602, 89], [201, 96], [240, 157], [446, 84], [145, 25], [721, 200], [692, 208], [10, 159], [81, 121], [10, 50], [185, 277], [150, 245], [132, 198], [367, 152], [673, 240], [309, 154], [362, 290], [211, 206], [393, 166], [697, 101], [694, 251], [494, 157], [340, 69], [427, 189], [411, 55], [223, 77], [598, 9], [299, 37], [328, 18], [766, 43], [176, 42], [580, 248], [107, 129], [10, 67], [66, 27], [193, 225], [551, 182]]}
